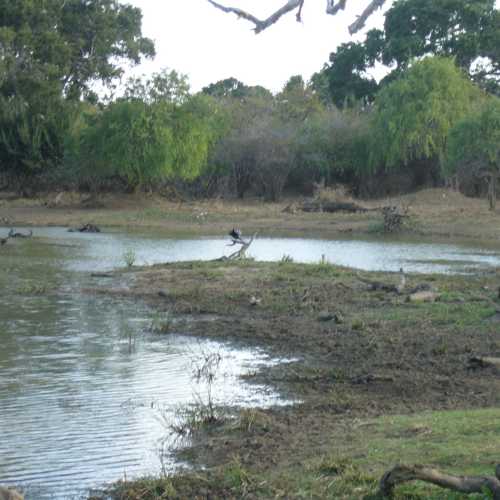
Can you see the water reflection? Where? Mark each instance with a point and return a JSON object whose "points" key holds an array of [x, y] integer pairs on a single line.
{"points": [[79, 402]]}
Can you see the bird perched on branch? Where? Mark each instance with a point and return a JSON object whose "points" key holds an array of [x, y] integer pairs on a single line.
{"points": [[236, 237]]}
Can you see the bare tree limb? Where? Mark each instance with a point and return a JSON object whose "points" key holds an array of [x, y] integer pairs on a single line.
{"points": [[331, 8], [464, 484], [359, 24], [261, 25]]}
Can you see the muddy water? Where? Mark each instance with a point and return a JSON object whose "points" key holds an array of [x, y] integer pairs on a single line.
{"points": [[86, 392]]}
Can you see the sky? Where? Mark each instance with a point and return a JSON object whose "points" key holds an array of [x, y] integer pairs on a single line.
{"points": [[208, 45]]}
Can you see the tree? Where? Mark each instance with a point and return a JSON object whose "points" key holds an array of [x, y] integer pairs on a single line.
{"points": [[156, 132], [467, 30], [345, 77], [69, 42], [474, 143], [232, 88], [50, 55], [332, 8], [414, 114], [332, 146], [235, 151], [296, 102], [463, 29]]}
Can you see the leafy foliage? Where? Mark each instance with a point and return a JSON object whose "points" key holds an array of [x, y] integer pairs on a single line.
{"points": [[468, 31], [50, 54], [475, 140], [157, 132], [69, 42], [414, 114], [344, 81], [331, 145]]}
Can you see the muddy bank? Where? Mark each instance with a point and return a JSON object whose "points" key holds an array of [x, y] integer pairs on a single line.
{"points": [[434, 212], [360, 354]]}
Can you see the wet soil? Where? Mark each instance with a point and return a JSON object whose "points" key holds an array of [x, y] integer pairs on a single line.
{"points": [[355, 353]]}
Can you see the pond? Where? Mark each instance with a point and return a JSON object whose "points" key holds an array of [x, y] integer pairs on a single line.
{"points": [[87, 392], [103, 251]]}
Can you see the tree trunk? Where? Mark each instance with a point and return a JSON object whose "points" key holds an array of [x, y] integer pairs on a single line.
{"points": [[492, 191]]}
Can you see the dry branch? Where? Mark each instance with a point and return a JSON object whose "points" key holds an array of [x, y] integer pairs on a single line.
{"points": [[463, 484], [475, 363], [332, 207], [331, 8], [385, 287]]}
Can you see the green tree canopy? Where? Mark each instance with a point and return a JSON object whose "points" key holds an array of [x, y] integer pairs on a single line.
{"points": [[468, 30], [51, 52], [474, 144], [156, 132], [414, 114], [231, 88], [71, 42]]}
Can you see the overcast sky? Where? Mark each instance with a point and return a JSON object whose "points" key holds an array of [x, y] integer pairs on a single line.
{"points": [[208, 45]]}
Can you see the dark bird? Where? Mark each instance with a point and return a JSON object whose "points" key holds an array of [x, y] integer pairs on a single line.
{"points": [[235, 234], [3, 241]]}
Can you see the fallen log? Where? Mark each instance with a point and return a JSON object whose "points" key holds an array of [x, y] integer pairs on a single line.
{"points": [[333, 206], [101, 275], [14, 234], [85, 228], [463, 484], [476, 363], [385, 287]]}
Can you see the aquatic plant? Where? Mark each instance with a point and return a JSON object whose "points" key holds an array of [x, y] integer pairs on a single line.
{"points": [[129, 257]]}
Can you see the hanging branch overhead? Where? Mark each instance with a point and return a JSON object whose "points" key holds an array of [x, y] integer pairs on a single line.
{"points": [[332, 7]]}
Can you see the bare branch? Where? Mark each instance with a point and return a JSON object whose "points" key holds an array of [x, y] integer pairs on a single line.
{"points": [[464, 484], [261, 25], [332, 7], [359, 24]]}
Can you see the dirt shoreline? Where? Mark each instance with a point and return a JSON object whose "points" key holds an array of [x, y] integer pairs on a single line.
{"points": [[362, 356], [437, 213]]}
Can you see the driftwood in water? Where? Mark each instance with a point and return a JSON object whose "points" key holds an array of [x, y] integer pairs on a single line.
{"points": [[333, 206], [86, 228], [102, 275], [14, 234], [463, 484]]}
